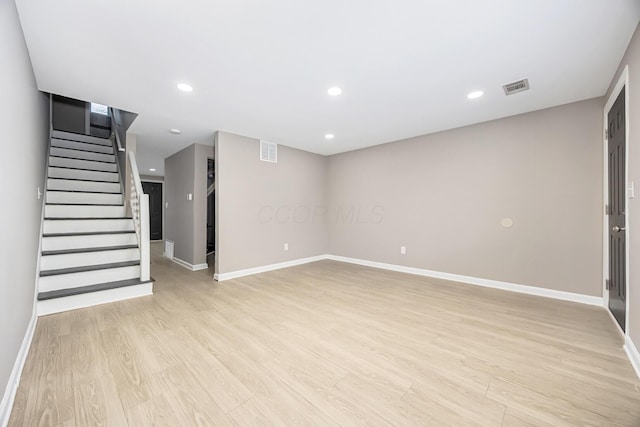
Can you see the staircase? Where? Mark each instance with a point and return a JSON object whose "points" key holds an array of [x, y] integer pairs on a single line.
{"points": [[91, 250]]}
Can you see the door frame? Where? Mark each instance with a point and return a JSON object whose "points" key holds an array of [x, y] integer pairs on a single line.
{"points": [[214, 202], [623, 83], [163, 204]]}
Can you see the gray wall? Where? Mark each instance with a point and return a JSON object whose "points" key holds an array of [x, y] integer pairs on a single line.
{"points": [[260, 205], [632, 58], [443, 196], [69, 115], [186, 220], [25, 121]]}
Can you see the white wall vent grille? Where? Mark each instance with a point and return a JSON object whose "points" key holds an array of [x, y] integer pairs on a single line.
{"points": [[168, 249], [515, 87], [268, 152]]}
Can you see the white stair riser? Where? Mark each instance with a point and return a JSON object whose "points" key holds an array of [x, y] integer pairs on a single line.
{"points": [[62, 211], [92, 198], [89, 225], [82, 164], [63, 143], [58, 243], [53, 262], [83, 138], [76, 154], [71, 185], [74, 302], [86, 278], [80, 174]]}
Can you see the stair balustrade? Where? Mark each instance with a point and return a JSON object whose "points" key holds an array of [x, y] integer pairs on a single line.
{"points": [[139, 204]]}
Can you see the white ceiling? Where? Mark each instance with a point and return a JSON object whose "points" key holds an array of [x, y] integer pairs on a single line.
{"points": [[262, 68]]}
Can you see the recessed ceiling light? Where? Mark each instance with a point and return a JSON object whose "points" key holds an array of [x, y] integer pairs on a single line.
{"points": [[185, 87], [152, 170], [175, 131], [329, 136], [475, 94], [334, 91]]}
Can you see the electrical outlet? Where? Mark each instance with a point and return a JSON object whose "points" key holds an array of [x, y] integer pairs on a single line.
{"points": [[190, 196], [403, 250], [286, 246]]}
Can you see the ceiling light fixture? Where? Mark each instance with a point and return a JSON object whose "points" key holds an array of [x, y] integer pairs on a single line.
{"points": [[475, 94], [334, 91], [185, 87], [175, 131], [152, 170], [329, 136]]}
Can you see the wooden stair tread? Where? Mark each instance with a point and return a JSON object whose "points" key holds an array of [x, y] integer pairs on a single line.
{"points": [[72, 136], [84, 191], [93, 249], [85, 204], [84, 160], [80, 149], [60, 293], [87, 233], [79, 169], [71, 270], [85, 218], [80, 179]]}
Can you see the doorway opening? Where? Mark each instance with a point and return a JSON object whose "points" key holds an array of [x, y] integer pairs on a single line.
{"points": [[211, 208], [154, 190]]}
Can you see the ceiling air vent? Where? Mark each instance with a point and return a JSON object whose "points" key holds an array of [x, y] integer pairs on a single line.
{"points": [[515, 87], [268, 152]]}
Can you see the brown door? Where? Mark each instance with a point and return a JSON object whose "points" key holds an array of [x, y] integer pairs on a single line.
{"points": [[617, 202], [154, 190]]}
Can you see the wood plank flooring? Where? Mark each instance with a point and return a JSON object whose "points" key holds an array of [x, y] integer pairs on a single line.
{"points": [[326, 344]]}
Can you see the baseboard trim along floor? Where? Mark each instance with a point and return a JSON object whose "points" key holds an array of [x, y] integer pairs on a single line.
{"points": [[192, 267], [513, 287], [14, 379], [266, 268], [488, 283], [633, 354]]}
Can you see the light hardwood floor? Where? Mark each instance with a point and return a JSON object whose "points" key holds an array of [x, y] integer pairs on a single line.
{"points": [[327, 344]]}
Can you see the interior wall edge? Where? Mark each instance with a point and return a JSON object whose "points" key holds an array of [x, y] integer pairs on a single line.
{"points": [[8, 399], [633, 354], [189, 266]]}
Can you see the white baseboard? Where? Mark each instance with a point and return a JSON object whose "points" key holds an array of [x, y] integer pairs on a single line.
{"points": [[524, 289], [633, 354], [513, 287], [14, 379], [191, 267], [265, 268], [74, 302]]}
